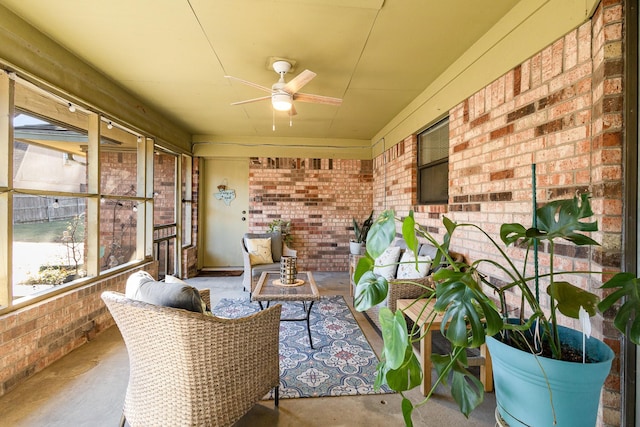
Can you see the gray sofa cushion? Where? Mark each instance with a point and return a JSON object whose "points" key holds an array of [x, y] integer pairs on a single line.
{"points": [[431, 251], [401, 244], [276, 243], [428, 250], [142, 286]]}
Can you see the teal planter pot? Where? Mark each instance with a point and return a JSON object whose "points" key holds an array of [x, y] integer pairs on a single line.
{"points": [[522, 392]]}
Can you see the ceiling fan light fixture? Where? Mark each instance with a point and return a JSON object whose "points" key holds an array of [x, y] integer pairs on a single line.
{"points": [[281, 101], [282, 93]]}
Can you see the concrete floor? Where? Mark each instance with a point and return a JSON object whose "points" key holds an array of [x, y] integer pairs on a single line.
{"points": [[87, 387]]}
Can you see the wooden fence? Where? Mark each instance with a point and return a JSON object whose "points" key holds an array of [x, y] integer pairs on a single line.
{"points": [[28, 209]]}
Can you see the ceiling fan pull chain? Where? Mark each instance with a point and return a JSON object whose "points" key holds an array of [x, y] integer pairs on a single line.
{"points": [[273, 119]]}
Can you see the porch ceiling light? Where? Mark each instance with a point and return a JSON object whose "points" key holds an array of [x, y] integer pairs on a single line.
{"points": [[281, 101]]}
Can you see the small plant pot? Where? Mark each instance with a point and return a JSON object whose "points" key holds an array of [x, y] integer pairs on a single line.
{"points": [[355, 247]]}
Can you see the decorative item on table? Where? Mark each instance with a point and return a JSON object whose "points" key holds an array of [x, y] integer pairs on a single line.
{"points": [[288, 270]]}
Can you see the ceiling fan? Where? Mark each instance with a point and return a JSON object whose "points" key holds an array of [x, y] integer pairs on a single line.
{"points": [[283, 94]]}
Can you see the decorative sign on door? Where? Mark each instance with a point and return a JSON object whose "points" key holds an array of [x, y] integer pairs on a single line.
{"points": [[225, 194]]}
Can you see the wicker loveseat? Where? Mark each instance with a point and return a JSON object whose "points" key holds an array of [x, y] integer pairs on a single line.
{"points": [[189, 368], [411, 287]]}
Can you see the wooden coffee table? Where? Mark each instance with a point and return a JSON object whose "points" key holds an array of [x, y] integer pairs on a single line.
{"points": [[268, 289]]}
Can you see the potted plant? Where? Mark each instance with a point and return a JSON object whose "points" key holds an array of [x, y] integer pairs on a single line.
{"points": [[463, 295], [360, 231], [283, 227]]}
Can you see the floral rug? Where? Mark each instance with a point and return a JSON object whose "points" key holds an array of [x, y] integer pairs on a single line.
{"points": [[342, 362]]}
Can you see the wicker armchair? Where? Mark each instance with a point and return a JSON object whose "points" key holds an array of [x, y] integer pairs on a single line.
{"points": [[252, 271], [189, 369]]}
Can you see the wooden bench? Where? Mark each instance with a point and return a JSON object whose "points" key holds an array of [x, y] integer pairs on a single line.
{"points": [[412, 309]]}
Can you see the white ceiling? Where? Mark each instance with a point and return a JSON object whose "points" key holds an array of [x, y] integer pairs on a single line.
{"points": [[173, 54]]}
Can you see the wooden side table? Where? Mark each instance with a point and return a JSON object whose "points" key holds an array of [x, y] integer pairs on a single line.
{"points": [[413, 311]]}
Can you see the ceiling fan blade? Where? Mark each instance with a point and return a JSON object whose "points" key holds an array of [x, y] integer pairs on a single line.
{"points": [[248, 83], [247, 101], [317, 99], [299, 81]]}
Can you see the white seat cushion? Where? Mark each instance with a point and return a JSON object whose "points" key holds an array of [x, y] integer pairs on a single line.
{"points": [[386, 264], [408, 270]]}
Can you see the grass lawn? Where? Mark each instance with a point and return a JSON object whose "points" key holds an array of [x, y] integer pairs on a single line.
{"points": [[45, 232]]}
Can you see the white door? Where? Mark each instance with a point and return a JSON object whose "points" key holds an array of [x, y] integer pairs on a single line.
{"points": [[226, 210]]}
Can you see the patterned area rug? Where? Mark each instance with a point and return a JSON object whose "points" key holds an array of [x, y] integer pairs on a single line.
{"points": [[342, 362]]}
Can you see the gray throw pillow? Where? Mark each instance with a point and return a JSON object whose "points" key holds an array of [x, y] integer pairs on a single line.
{"points": [[401, 244], [431, 251], [142, 286]]}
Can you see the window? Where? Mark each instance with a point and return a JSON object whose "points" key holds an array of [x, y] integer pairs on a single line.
{"points": [[433, 164], [49, 210], [121, 208], [165, 228], [187, 202], [75, 191]]}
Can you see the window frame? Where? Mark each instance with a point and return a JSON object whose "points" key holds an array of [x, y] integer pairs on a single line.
{"points": [[186, 214], [421, 197]]}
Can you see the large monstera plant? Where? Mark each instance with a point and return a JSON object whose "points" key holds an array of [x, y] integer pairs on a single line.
{"points": [[474, 308]]}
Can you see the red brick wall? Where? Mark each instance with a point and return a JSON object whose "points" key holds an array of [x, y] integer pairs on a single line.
{"points": [[118, 222], [606, 172], [118, 172], [562, 110], [539, 112], [164, 188], [33, 337], [395, 186], [319, 196]]}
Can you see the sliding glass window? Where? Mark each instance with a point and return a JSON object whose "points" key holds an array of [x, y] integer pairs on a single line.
{"points": [[122, 190], [49, 176]]}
